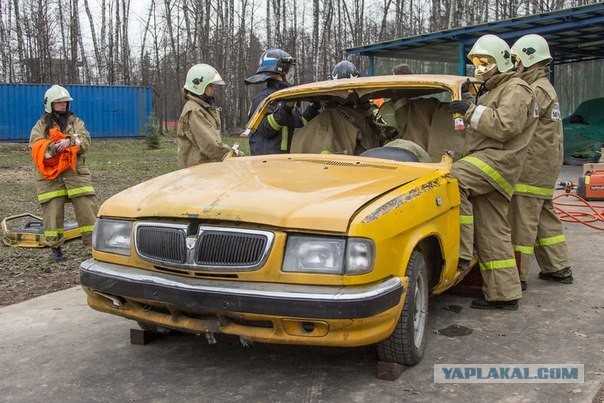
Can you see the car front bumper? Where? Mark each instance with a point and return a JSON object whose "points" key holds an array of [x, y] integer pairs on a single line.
{"points": [[262, 312], [210, 295]]}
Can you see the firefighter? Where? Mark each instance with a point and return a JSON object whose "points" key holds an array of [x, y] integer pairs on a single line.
{"points": [[198, 136], [59, 141], [342, 127], [274, 135], [499, 127], [535, 225]]}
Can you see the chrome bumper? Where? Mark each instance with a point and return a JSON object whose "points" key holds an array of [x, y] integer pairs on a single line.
{"points": [[210, 295]]}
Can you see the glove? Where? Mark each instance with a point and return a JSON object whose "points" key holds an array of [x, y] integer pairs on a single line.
{"points": [[238, 153], [465, 87], [458, 107], [283, 114]]}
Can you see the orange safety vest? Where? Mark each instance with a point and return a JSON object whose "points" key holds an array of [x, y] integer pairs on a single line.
{"points": [[52, 167]]}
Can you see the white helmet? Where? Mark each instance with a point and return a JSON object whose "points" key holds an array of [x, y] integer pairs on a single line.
{"points": [[531, 49], [56, 93], [199, 76], [490, 51]]}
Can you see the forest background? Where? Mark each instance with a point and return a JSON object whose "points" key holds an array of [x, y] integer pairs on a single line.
{"points": [[154, 42]]}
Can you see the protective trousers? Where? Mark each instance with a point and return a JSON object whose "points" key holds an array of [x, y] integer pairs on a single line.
{"points": [[53, 215], [537, 229], [484, 223]]}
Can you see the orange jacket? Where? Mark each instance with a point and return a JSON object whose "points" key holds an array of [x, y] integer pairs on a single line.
{"points": [[52, 167]]}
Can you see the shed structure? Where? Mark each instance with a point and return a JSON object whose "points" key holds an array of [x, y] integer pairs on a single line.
{"points": [[574, 35]]}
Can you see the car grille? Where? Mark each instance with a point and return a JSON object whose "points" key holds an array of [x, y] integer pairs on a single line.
{"points": [[229, 249], [162, 243], [211, 248]]}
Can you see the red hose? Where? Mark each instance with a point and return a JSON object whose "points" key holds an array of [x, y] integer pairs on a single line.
{"points": [[579, 216]]}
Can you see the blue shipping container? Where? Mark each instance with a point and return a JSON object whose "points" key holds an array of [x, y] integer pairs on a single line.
{"points": [[107, 111]]}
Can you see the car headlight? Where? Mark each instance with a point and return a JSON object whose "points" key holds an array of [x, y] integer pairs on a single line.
{"points": [[112, 236], [328, 255]]}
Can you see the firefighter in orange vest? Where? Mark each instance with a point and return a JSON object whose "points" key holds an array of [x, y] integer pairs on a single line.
{"points": [[535, 224], [58, 142]]}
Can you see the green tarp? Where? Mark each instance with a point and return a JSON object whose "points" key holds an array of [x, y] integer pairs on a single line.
{"points": [[584, 133]]}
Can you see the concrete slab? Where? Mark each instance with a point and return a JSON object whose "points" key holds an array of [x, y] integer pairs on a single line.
{"points": [[54, 348]]}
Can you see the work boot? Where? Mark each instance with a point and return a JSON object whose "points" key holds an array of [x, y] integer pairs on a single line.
{"points": [[564, 276], [57, 254], [523, 285], [482, 303]]}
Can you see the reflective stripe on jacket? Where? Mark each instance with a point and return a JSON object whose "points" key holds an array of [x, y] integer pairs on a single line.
{"points": [[545, 152], [500, 128]]}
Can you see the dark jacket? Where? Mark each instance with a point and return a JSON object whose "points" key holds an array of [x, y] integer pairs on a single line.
{"points": [[274, 135]]}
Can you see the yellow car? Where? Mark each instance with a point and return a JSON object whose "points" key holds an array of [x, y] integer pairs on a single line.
{"points": [[323, 248]]}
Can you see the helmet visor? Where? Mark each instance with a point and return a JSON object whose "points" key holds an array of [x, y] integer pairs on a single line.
{"points": [[289, 76], [483, 63]]}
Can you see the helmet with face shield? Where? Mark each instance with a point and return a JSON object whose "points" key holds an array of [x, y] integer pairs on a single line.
{"points": [[273, 62], [488, 52], [200, 76], [56, 93], [531, 49]]}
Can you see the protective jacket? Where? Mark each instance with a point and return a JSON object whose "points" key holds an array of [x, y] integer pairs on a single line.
{"points": [[545, 153], [500, 127], [71, 182], [51, 166], [274, 134], [198, 136], [338, 129], [428, 122], [536, 227]]}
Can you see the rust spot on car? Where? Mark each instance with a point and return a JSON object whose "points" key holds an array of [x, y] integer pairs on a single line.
{"points": [[402, 199]]}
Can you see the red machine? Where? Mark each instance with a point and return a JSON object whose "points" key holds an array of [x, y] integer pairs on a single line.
{"points": [[591, 185]]}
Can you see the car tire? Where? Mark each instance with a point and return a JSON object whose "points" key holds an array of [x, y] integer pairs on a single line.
{"points": [[153, 328], [407, 342]]}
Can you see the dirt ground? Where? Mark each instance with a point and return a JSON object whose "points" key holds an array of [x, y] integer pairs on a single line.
{"points": [[26, 273]]}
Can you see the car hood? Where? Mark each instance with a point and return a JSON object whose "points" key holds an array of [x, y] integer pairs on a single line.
{"points": [[287, 191]]}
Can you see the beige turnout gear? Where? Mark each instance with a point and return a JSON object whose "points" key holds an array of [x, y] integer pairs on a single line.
{"points": [[485, 210], [198, 137], [536, 228], [428, 123], [535, 225], [498, 131], [70, 185], [338, 129]]}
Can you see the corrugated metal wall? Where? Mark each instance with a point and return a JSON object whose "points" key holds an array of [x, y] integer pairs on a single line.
{"points": [[108, 111]]}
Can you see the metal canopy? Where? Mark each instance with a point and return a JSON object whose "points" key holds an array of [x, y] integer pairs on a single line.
{"points": [[574, 35]]}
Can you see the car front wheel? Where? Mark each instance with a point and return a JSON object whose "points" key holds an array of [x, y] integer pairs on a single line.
{"points": [[407, 342]]}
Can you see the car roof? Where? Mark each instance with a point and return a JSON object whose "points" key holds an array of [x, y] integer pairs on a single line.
{"points": [[367, 87]]}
